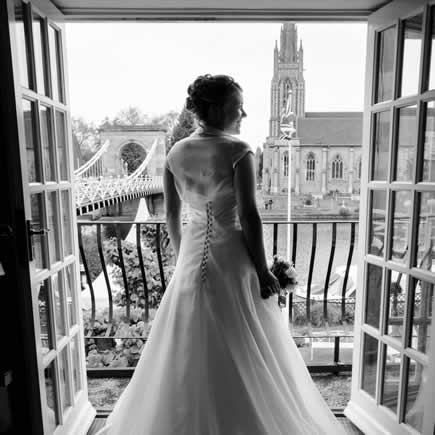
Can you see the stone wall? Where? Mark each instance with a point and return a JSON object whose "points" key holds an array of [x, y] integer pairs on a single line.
{"points": [[274, 168]]}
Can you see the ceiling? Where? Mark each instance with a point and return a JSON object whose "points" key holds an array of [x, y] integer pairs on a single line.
{"points": [[223, 10]]}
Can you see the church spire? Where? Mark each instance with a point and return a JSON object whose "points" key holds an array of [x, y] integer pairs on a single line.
{"points": [[301, 56], [275, 59], [288, 43]]}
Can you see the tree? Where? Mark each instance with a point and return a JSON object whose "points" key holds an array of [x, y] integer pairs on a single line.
{"points": [[259, 164], [166, 120], [130, 116], [86, 139], [132, 154], [184, 126]]}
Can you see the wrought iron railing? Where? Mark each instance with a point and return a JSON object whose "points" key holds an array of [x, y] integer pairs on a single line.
{"points": [[134, 295]]}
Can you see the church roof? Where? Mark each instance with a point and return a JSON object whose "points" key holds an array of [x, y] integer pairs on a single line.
{"points": [[330, 128]]}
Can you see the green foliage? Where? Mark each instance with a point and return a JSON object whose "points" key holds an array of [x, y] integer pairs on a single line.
{"points": [[308, 200], [114, 351], [344, 211], [316, 313], [89, 238], [85, 138], [129, 116], [184, 126], [259, 164], [133, 271], [132, 154]]}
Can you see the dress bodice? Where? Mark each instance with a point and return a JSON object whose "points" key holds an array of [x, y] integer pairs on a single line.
{"points": [[203, 167]]}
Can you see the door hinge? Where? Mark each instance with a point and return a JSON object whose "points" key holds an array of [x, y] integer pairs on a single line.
{"points": [[6, 379]]}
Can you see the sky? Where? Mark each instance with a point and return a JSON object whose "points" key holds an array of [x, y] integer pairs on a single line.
{"points": [[149, 65]]}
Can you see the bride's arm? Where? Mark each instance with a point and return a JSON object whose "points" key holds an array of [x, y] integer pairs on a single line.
{"points": [[173, 210], [250, 221]]}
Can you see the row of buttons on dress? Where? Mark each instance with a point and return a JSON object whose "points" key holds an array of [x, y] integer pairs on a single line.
{"points": [[207, 240]]}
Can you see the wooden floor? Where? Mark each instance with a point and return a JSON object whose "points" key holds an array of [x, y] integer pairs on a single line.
{"points": [[348, 426]]}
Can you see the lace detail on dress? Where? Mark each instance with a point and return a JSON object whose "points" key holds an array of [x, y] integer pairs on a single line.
{"points": [[207, 240]]}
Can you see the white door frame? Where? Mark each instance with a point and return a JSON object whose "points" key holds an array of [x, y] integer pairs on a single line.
{"points": [[363, 410], [59, 274]]}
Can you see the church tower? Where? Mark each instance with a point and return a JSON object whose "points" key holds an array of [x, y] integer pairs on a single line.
{"points": [[287, 105], [288, 78]]}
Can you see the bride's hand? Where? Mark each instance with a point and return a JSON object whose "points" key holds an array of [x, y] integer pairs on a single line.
{"points": [[269, 284]]}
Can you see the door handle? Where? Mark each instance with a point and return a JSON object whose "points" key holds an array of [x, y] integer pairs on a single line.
{"points": [[32, 231], [38, 232], [6, 231]]}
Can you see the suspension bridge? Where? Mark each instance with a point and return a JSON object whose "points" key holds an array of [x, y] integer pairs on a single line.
{"points": [[103, 181]]}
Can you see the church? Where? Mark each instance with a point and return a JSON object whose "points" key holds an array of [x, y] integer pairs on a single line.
{"points": [[325, 146]]}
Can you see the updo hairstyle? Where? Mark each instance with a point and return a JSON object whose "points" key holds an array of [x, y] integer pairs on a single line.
{"points": [[208, 90]]}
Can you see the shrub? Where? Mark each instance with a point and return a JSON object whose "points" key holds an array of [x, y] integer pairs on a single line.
{"points": [[89, 237], [316, 313], [308, 200], [134, 276], [113, 351], [344, 211]]}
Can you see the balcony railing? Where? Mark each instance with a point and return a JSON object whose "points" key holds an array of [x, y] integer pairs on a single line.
{"points": [[130, 264]]}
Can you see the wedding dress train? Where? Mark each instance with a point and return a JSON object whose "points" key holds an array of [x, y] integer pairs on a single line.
{"points": [[219, 359]]}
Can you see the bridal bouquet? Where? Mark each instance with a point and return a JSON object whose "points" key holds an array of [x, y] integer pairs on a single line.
{"points": [[286, 275]]}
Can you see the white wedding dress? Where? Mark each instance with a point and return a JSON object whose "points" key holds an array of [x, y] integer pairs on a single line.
{"points": [[219, 359]]}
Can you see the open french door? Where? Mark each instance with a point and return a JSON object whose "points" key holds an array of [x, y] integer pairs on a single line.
{"points": [[393, 379], [37, 41]]}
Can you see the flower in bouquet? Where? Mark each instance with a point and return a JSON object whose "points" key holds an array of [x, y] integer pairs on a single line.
{"points": [[284, 271], [286, 275]]}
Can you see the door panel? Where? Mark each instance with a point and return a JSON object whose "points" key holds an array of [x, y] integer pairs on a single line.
{"points": [[45, 143], [393, 359]]}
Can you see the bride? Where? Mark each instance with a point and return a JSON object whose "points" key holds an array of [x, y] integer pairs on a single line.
{"points": [[219, 359]]}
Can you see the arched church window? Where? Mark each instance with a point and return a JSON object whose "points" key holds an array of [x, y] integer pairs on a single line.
{"points": [[311, 167], [337, 168], [286, 163]]}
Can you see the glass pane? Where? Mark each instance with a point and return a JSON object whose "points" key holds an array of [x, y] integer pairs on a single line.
{"points": [[67, 222], [39, 249], [75, 352], [47, 144], [414, 396], [406, 144], [39, 55], [61, 146], [378, 205], [391, 378], [70, 295], [381, 155], [53, 226], [397, 289], [53, 40], [44, 316], [63, 378], [32, 150], [58, 305], [22, 46], [426, 231], [412, 40], [385, 71], [432, 52], [373, 295], [429, 144], [421, 316], [50, 391], [402, 209], [370, 363]]}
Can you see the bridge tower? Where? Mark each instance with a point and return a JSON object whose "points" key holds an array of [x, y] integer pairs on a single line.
{"points": [[122, 136]]}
